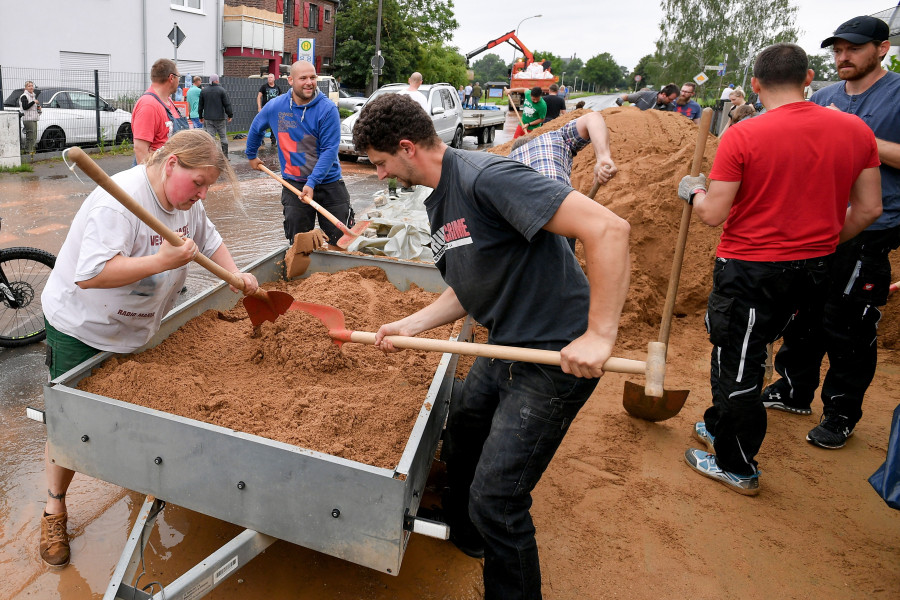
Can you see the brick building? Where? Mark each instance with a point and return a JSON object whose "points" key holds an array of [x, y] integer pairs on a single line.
{"points": [[261, 36]]}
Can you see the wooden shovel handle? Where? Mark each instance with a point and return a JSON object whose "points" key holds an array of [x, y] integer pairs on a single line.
{"points": [[675, 276], [322, 210], [516, 110], [543, 357], [93, 170]]}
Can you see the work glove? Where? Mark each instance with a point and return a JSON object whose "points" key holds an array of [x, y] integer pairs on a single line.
{"points": [[619, 101], [690, 186]]}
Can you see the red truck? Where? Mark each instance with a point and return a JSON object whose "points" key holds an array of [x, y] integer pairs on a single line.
{"points": [[521, 65]]}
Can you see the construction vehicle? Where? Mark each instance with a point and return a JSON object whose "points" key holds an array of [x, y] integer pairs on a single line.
{"points": [[521, 65]]}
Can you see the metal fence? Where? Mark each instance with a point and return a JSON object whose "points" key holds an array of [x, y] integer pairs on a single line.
{"points": [[94, 107]]}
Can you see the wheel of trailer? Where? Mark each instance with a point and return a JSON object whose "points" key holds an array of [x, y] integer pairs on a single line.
{"points": [[54, 138], [457, 138], [489, 135], [347, 157], [482, 135], [124, 134], [23, 275]]}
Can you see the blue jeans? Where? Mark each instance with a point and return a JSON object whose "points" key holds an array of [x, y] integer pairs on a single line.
{"points": [[501, 434], [196, 122]]}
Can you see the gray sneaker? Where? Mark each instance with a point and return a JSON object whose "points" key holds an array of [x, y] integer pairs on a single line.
{"points": [[703, 435], [705, 464], [831, 433]]}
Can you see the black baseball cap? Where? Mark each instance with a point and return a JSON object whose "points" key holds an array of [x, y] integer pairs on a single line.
{"points": [[860, 30]]}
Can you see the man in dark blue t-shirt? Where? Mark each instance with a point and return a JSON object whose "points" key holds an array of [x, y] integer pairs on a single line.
{"points": [[493, 222], [685, 105], [860, 271], [268, 91]]}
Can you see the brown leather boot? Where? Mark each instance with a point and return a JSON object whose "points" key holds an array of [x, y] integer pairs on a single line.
{"points": [[54, 540]]}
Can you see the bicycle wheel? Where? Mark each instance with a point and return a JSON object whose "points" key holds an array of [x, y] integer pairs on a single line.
{"points": [[26, 270]]}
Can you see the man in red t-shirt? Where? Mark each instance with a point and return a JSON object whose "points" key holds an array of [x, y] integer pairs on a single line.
{"points": [[788, 185], [151, 126]]}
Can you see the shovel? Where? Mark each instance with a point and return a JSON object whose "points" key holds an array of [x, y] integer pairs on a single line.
{"points": [[349, 234], [653, 403], [333, 319], [261, 305]]}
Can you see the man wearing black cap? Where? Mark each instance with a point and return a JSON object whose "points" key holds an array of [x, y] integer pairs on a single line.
{"points": [[860, 270]]}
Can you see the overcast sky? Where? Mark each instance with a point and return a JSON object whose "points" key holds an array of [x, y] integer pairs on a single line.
{"points": [[627, 29]]}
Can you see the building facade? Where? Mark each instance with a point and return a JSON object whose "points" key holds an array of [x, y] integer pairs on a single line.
{"points": [[267, 36]]}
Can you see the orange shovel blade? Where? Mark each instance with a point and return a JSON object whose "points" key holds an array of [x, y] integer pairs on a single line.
{"points": [[330, 316], [259, 310], [352, 234]]}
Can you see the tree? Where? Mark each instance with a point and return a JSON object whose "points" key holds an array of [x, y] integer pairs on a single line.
{"points": [[490, 68], [439, 63], [696, 33], [643, 69], [823, 65], [603, 71], [406, 28]]}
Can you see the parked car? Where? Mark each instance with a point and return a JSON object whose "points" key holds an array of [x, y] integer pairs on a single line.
{"points": [[68, 118], [446, 113], [350, 102]]}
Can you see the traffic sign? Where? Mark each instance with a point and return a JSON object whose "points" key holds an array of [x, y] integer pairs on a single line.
{"points": [[637, 77], [176, 36], [376, 71], [377, 61], [701, 78], [721, 70]]}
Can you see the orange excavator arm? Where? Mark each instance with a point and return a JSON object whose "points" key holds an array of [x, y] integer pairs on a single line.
{"points": [[511, 39]]}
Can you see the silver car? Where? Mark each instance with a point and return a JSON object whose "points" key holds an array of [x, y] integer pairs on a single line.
{"points": [[445, 110]]}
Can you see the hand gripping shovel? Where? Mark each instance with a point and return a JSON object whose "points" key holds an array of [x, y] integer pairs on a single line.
{"points": [[653, 403], [261, 305], [349, 234], [333, 319]]}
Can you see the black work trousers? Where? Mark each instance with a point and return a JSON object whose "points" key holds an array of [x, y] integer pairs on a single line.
{"points": [[860, 275], [300, 217], [751, 305]]}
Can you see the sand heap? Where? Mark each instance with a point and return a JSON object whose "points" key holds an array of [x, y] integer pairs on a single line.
{"points": [[653, 151], [288, 381]]}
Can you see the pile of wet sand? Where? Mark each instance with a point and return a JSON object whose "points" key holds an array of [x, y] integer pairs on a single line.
{"points": [[288, 381]]}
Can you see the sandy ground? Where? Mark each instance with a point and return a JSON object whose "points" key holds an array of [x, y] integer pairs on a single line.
{"points": [[618, 513]]}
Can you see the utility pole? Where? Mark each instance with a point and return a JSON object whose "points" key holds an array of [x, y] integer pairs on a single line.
{"points": [[376, 71]]}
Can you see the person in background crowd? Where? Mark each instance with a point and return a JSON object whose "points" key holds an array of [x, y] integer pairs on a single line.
{"points": [[555, 104], [214, 109], [497, 228], [648, 99], [476, 94], [685, 105], [193, 100], [861, 269], [267, 92], [115, 278], [153, 119], [415, 80], [534, 110], [769, 269], [31, 113], [309, 132], [468, 95]]}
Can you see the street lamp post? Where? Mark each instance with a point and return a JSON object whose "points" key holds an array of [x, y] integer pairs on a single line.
{"points": [[562, 80], [513, 63]]}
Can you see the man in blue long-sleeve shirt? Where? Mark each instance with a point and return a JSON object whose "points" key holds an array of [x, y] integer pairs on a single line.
{"points": [[308, 127]]}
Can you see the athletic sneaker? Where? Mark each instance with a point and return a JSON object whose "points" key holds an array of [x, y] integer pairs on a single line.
{"points": [[775, 397], [831, 432], [702, 434], [705, 464]]}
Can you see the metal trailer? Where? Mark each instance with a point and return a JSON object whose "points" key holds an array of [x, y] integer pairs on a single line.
{"points": [[357, 512], [482, 122]]}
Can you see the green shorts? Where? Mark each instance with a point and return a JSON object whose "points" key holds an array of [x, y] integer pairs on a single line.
{"points": [[65, 352]]}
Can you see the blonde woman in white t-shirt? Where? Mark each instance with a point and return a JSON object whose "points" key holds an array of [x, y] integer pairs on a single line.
{"points": [[115, 278]]}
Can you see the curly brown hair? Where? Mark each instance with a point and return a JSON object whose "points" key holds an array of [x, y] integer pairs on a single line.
{"points": [[390, 118]]}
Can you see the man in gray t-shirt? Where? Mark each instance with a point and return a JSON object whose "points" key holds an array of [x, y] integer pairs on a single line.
{"points": [[648, 99], [493, 222]]}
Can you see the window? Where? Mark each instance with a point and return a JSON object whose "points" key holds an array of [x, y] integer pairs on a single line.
{"points": [[436, 100], [286, 59], [195, 4], [313, 17], [328, 15], [288, 12], [326, 61]]}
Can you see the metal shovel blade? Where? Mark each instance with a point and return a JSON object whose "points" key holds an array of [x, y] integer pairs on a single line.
{"points": [[331, 317], [274, 306], [640, 405]]}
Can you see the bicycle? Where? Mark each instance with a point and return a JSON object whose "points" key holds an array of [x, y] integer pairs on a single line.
{"points": [[23, 275]]}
